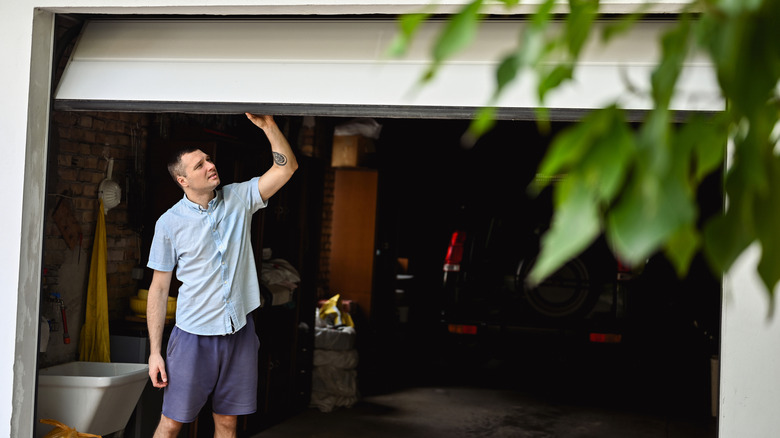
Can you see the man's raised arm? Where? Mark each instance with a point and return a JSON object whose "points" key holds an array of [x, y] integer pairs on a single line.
{"points": [[284, 164]]}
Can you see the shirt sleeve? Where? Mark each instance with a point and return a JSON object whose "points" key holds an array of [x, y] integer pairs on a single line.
{"points": [[162, 255], [249, 192]]}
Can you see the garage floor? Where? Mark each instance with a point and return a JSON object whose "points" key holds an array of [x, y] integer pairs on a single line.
{"points": [[552, 397], [477, 412]]}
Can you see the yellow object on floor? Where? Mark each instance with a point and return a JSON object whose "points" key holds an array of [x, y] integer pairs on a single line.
{"points": [[333, 306], [94, 345], [62, 431]]}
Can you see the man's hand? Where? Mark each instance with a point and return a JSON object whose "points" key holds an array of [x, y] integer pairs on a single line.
{"points": [[261, 121], [284, 162], [157, 371]]}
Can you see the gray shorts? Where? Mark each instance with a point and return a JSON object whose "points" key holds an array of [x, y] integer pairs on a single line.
{"points": [[223, 367]]}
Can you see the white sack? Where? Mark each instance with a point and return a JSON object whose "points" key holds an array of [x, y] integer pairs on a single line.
{"points": [[331, 338], [342, 359]]}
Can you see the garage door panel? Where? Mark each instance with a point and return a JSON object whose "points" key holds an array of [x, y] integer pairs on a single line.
{"points": [[339, 64]]}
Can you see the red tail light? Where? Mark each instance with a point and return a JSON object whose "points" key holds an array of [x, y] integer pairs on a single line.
{"points": [[623, 271], [462, 329], [606, 338], [455, 251]]}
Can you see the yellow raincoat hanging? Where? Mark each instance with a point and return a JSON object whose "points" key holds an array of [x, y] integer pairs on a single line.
{"points": [[94, 345]]}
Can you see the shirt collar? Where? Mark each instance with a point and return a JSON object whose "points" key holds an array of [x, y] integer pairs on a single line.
{"points": [[195, 206]]}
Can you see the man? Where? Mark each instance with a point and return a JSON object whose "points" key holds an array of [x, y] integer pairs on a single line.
{"points": [[213, 349]]}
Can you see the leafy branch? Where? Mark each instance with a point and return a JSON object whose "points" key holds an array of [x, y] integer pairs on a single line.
{"points": [[638, 185]]}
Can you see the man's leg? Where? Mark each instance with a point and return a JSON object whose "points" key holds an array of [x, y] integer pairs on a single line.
{"points": [[167, 428], [235, 393], [225, 426]]}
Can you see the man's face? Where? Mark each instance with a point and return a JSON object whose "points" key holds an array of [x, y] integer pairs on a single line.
{"points": [[200, 173]]}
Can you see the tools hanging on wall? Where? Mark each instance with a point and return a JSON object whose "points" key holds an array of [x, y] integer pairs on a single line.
{"points": [[61, 302]]}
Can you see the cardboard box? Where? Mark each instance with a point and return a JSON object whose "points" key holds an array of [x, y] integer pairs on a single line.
{"points": [[351, 150]]}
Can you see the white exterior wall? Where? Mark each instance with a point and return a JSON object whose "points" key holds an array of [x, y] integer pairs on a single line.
{"points": [[750, 357], [750, 385]]}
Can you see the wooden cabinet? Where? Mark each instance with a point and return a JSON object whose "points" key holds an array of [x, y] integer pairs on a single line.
{"points": [[352, 236]]}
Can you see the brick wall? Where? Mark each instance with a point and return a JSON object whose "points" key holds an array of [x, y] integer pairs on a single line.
{"points": [[80, 143], [323, 279]]}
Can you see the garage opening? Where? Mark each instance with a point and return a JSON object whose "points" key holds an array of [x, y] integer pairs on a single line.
{"points": [[414, 326]]}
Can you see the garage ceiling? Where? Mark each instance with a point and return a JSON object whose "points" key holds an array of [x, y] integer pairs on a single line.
{"points": [[339, 67]]}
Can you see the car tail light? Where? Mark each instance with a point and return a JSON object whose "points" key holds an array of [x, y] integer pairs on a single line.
{"points": [[462, 329], [455, 252], [606, 338], [623, 271]]}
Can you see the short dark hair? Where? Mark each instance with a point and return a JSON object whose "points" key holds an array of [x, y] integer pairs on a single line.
{"points": [[174, 162]]}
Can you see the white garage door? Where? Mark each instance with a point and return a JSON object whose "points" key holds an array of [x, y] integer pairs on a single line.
{"points": [[338, 67]]}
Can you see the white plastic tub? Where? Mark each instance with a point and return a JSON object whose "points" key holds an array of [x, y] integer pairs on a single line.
{"points": [[93, 397]]}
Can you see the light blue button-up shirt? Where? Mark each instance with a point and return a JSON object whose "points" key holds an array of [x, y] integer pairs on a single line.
{"points": [[212, 253]]}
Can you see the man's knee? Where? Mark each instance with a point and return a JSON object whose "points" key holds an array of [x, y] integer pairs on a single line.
{"points": [[225, 422], [167, 428]]}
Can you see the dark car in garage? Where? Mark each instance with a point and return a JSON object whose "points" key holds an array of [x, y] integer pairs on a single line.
{"points": [[485, 294], [471, 230]]}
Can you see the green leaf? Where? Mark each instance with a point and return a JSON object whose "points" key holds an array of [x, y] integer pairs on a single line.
{"points": [[747, 173], [743, 45], [648, 213], [734, 7], [458, 33], [595, 156], [675, 45], [535, 44], [408, 25], [573, 143], [543, 14], [554, 78], [543, 120], [766, 213], [682, 247], [706, 138], [727, 235], [534, 47], [575, 226], [722, 39], [483, 122], [579, 22], [609, 159], [597, 153], [624, 23], [567, 148], [653, 141], [507, 72]]}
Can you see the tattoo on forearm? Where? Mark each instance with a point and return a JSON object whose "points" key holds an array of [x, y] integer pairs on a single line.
{"points": [[280, 159]]}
